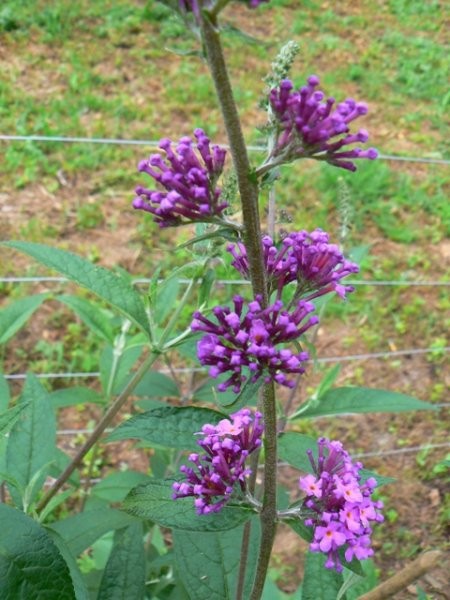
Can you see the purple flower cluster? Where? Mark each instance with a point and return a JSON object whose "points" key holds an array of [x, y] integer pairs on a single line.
{"points": [[189, 178], [246, 344], [214, 475], [306, 258], [311, 127], [341, 505]]}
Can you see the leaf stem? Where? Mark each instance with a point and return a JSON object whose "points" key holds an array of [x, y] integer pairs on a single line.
{"points": [[99, 429]]}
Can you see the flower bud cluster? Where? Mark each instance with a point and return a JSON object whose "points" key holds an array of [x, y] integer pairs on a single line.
{"points": [[306, 258], [250, 343], [310, 126], [211, 481], [340, 505], [189, 178]]}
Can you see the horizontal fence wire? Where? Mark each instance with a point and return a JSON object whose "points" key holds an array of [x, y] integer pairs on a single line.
{"points": [[155, 143], [320, 360], [145, 280]]}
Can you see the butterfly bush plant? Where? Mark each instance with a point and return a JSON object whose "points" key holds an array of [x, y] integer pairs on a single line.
{"points": [[202, 524]]}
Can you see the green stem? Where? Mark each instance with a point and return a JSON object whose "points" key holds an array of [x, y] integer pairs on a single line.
{"points": [[247, 185], [98, 431], [248, 190]]}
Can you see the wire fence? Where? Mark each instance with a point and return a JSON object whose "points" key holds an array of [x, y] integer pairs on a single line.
{"points": [[187, 370], [155, 144]]}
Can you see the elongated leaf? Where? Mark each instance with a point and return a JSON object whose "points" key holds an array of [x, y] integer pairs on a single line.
{"points": [[363, 400], [81, 591], [93, 316], [156, 385], [4, 393], [320, 583], [31, 566], [122, 372], [73, 396], [124, 574], [16, 314], [112, 288], [208, 563], [170, 426], [228, 400], [80, 531], [154, 501], [10, 417], [116, 486], [166, 297], [32, 440], [292, 447]]}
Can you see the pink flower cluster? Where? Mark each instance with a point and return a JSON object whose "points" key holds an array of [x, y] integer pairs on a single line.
{"points": [[340, 505], [306, 258], [311, 127], [226, 445], [250, 343], [189, 176]]}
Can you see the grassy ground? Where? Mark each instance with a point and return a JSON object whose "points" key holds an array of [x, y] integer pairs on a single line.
{"points": [[114, 69]]}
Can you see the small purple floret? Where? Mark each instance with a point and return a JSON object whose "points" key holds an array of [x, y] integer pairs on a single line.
{"points": [[310, 126], [251, 343], [340, 505], [189, 176], [212, 479], [309, 259]]}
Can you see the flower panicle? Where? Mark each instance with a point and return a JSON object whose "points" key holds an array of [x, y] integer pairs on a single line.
{"points": [[312, 126], [308, 259], [249, 343], [340, 505], [214, 475], [189, 176]]}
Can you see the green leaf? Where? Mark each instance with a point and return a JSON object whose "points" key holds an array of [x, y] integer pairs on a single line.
{"points": [[228, 400], [31, 565], [9, 418], [156, 385], [32, 440], [115, 487], [80, 531], [154, 501], [93, 316], [73, 396], [320, 583], [109, 286], [306, 533], [5, 396], [81, 591], [16, 314], [124, 574], [169, 426], [292, 447], [208, 563], [166, 297], [363, 400], [122, 375]]}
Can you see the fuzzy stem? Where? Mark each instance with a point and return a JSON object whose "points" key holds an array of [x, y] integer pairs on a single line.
{"points": [[247, 184], [98, 431], [248, 190]]}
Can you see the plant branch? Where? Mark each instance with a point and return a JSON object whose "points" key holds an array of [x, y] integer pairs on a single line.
{"points": [[403, 578], [98, 431]]}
